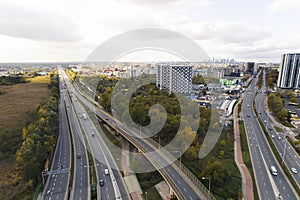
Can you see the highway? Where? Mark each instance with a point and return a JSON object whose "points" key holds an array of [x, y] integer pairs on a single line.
{"points": [[114, 187], [290, 157], [179, 181], [269, 186], [59, 174], [81, 187]]}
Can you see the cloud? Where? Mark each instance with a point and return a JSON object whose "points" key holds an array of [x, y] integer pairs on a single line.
{"points": [[283, 5], [37, 24], [168, 3], [267, 50], [226, 32]]}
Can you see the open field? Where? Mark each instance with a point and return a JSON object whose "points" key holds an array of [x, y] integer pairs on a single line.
{"points": [[18, 105]]}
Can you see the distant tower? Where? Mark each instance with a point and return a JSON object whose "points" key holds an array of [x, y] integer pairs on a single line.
{"points": [[289, 71], [250, 67], [174, 78]]}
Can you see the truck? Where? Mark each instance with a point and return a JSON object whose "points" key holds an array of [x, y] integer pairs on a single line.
{"points": [[273, 170]]}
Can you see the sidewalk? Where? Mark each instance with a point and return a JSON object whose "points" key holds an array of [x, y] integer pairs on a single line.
{"points": [[130, 178], [247, 184]]}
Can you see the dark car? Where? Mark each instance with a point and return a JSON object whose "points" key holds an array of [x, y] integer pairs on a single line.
{"points": [[101, 182], [78, 156]]}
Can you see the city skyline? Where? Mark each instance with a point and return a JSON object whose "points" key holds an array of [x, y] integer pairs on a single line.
{"points": [[258, 31]]}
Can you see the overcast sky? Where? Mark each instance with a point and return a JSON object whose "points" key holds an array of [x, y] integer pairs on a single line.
{"points": [[69, 30]]}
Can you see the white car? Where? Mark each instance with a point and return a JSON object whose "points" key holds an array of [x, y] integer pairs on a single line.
{"points": [[273, 136], [106, 172], [294, 170]]}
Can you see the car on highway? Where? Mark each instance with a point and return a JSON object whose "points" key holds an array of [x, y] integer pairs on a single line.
{"points": [[279, 138], [294, 170], [248, 105], [78, 156], [273, 170], [101, 182], [273, 136], [106, 172], [265, 121]]}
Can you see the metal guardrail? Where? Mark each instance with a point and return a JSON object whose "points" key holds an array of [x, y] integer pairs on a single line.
{"points": [[184, 170]]}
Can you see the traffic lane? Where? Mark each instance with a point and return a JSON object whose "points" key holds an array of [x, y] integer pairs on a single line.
{"points": [[186, 189], [264, 186], [280, 181], [107, 192], [191, 191], [80, 187], [290, 157], [103, 154], [58, 183]]}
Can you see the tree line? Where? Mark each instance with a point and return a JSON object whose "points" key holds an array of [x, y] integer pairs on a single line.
{"points": [[11, 80], [39, 137]]}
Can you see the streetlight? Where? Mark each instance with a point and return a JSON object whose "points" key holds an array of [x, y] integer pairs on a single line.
{"points": [[179, 157], [158, 140], [207, 178]]}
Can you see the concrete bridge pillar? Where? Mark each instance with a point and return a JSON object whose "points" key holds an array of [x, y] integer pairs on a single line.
{"points": [[172, 194]]}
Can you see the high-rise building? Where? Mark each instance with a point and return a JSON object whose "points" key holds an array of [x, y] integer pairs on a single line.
{"points": [[289, 71], [174, 78], [251, 67]]}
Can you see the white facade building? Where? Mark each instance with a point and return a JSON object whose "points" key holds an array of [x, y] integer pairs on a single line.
{"points": [[289, 71], [174, 78]]}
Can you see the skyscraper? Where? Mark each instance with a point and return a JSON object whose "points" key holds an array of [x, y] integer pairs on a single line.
{"points": [[289, 71], [174, 78]]}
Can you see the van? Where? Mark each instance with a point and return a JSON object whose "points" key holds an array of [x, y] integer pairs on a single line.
{"points": [[273, 170]]}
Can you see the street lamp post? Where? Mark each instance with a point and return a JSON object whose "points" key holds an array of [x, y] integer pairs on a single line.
{"points": [[179, 158], [207, 178], [158, 141]]}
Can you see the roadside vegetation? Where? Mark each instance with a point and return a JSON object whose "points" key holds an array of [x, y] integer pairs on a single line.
{"points": [[219, 165], [276, 105], [27, 134], [294, 144], [259, 81], [271, 78]]}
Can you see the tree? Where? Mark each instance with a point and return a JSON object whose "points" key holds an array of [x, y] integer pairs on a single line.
{"points": [[221, 153], [216, 171], [222, 143]]}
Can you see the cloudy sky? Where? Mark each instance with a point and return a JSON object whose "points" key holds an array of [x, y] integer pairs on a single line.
{"points": [[69, 30]]}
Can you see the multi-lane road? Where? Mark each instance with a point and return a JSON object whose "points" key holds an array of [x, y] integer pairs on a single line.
{"points": [[289, 156], [81, 184], [269, 186], [181, 184], [58, 180], [113, 186]]}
